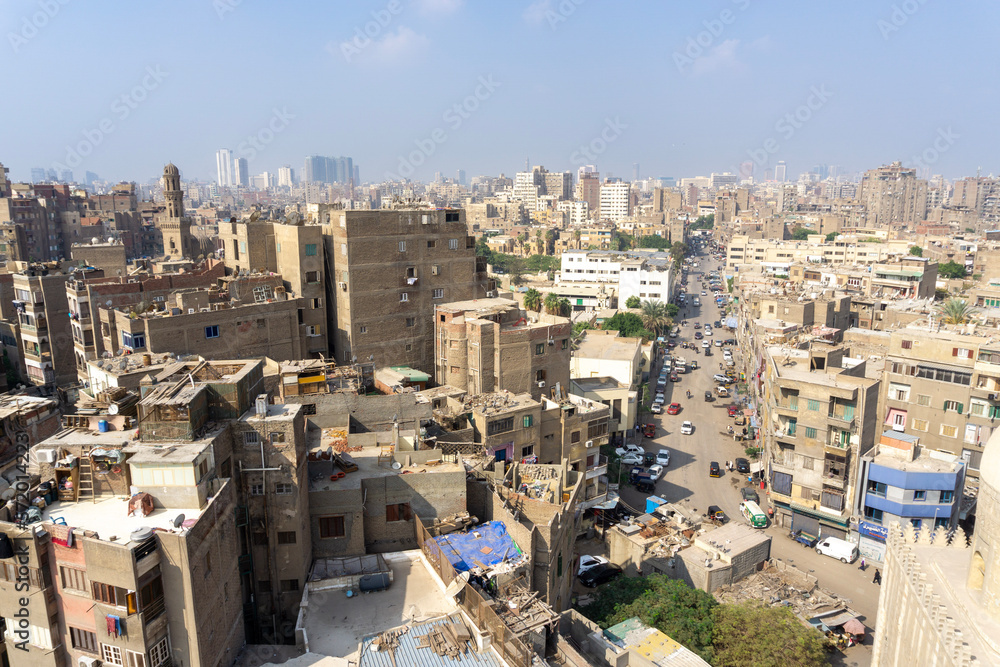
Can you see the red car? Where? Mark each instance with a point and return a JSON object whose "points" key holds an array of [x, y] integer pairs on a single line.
{"points": [[674, 409], [649, 430], [733, 410]]}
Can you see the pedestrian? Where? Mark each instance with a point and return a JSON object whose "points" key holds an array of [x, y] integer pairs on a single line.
{"points": [[862, 565], [878, 577]]}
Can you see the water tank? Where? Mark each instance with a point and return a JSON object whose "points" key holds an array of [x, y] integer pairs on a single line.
{"points": [[102, 426], [141, 535]]}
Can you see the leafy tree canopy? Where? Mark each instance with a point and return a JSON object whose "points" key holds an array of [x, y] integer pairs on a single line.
{"points": [[704, 222], [654, 241], [951, 269], [832, 236], [751, 634], [628, 325], [632, 302], [800, 233], [916, 251]]}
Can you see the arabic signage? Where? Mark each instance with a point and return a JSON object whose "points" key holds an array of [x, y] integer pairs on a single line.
{"points": [[873, 530]]}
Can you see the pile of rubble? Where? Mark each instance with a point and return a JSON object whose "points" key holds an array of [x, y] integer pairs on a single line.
{"points": [[780, 584]]}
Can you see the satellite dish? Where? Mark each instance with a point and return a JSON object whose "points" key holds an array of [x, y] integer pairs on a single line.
{"points": [[457, 584], [178, 520], [396, 465], [113, 409]]}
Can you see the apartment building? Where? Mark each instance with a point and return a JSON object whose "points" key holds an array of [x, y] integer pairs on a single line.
{"points": [[907, 278], [488, 345], [606, 354], [248, 245], [577, 212], [643, 274], [943, 386], [805, 310], [893, 194], [818, 414], [588, 189], [816, 250], [108, 256], [389, 268], [902, 482], [616, 201]]}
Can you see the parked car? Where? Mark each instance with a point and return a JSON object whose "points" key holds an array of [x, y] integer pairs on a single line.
{"points": [[714, 470], [655, 471], [718, 324], [649, 430], [587, 562], [674, 409], [708, 397], [749, 493], [656, 408], [663, 457], [600, 574], [632, 459], [733, 410], [658, 398], [687, 428], [718, 342], [698, 335], [708, 332], [674, 377], [742, 465], [834, 547], [721, 379], [629, 449]]}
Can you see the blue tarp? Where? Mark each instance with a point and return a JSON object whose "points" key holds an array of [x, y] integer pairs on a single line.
{"points": [[484, 546], [732, 322]]}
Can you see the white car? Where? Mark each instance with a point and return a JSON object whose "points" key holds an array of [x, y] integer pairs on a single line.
{"points": [[663, 457], [630, 449], [687, 428], [658, 398], [708, 332], [632, 459], [705, 344], [656, 408], [655, 471], [587, 562]]}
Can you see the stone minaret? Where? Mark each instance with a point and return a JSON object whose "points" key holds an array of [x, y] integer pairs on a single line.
{"points": [[172, 191]]}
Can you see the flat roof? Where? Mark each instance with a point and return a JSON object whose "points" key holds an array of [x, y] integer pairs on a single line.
{"points": [[110, 520], [606, 346], [367, 461], [601, 383]]}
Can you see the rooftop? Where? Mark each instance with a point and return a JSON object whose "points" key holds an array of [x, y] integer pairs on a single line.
{"points": [[499, 402], [14, 404], [602, 383], [607, 346], [412, 651], [110, 520]]}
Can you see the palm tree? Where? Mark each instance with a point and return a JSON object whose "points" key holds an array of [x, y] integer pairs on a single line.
{"points": [[533, 300], [955, 311], [654, 316], [552, 304], [564, 307]]}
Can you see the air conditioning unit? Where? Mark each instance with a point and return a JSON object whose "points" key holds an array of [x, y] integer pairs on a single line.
{"points": [[490, 294], [47, 455], [992, 397], [542, 383], [590, 443], [86, 661], [342, 286]]}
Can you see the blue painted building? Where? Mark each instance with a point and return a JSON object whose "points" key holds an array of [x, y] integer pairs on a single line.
{"points": [[902, 481]]}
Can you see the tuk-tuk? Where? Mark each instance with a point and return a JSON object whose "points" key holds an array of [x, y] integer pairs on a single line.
{"points": [[649, 458], [694, 364], [716, 515]]}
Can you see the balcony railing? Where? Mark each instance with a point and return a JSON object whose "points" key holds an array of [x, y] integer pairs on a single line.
{"points": [[844, 421], [601, 468]]}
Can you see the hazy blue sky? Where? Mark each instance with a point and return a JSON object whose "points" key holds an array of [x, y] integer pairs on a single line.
{"points": [[122, 88]]}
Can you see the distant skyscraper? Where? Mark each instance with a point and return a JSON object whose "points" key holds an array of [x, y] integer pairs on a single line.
{"points": [[224, 167], [51, 175], [585, 169], [746, 170], [357, 175], [66, 176], [314, 170], [89, 178], [779, 171], [285, 176], [37, 174], [460, 176], [437, 177], [241, 172], [321, 169], [635, 171]]}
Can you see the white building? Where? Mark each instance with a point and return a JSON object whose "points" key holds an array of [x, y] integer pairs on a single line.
{"points": [[224, 167], [615, 201], [577, 211], [527, 188], [285, 179], [645, 274]]}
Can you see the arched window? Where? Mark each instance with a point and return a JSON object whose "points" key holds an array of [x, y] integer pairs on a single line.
{"points": [[977, 572]]}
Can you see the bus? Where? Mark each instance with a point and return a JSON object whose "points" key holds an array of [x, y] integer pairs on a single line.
{"points": [[752, 512]]}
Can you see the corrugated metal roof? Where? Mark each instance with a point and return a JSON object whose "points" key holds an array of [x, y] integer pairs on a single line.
{"points": [[408, 654]]}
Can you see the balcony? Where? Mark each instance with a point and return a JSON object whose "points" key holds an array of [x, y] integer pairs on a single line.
{"points": [[596, 495], [597, 470], [985, 393], [787, 409], [842, 420]]}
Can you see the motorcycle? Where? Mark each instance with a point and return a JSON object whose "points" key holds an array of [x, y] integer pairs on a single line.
{"points": [[689, 394]]}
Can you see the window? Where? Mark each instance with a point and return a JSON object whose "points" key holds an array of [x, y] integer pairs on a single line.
{"points": [[923, 399], [946, 496], [574, 436], [256, 489], [500, 426], [953, 406], [792, 426], [289, 585], [876, 488], [331, 526], [916, 523], [111, 655], [134, 341], [906, 344], [979, 408], [807, 462], [398, 512], [313, 277], [528, 421], [277, 437], [283, 489], [251, 438], [899, 392], [961, 353], [949, 431], [564, 343], [431, 244], [404, 297], [810, 432], [527, 451], [363, 330], [151, 596], [873, 515], [919, 424], [73, 579], [438, 294], [85, 640], [160, 653], [310, 250], [411, 321], [812, 404], [452, 244], [343, 248], [286, 537], [112, 595], [919, 496], [540, 375], [402, 246], [212, 331], [540, 348]]}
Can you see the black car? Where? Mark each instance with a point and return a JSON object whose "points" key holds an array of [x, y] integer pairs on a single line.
{"points": [[718, 324], [708, 397], [600, 574], [748, 493], [742, 465], [714, 470]]}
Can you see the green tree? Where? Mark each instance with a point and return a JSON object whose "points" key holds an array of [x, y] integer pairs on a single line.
{"points": [[704, 222], [832, 236], [678, 250], [553, 304], [632, 302], [622, 241], [955, 311], [654, 316], [683, 613], [951, 269], [627, 324], [654, 241], [565, 308], [672, 310], [800, 233], [515, 267], [752, 634], [533, 300], [916, 251]]}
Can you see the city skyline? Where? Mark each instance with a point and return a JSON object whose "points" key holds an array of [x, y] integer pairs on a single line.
{"points": [[688, 91]]}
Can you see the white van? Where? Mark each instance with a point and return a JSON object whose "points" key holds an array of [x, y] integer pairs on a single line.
{"points": [[834, 547]]}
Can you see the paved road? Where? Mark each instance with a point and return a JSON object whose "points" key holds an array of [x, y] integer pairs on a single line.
{"points": [[686, 481]]}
